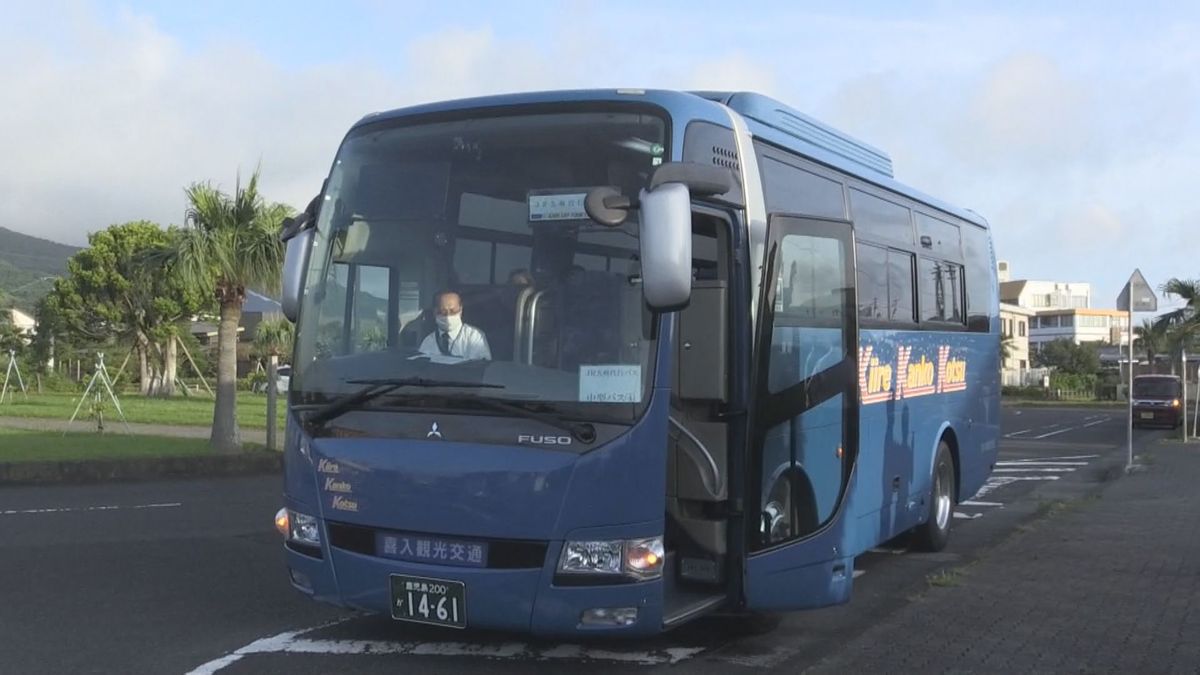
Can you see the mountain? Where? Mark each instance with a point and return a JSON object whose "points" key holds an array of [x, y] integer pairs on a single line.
{"points": [[25, 261]]}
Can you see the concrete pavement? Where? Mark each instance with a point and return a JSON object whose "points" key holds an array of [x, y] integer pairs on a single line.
{"points": [[1107, 583]]}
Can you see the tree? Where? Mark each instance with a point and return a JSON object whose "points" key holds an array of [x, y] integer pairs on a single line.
{"points": [[11, 337], [1180, 327], [273, 338], [1006, 348], [1152, 338], [229, 242], [1070, 358], [112, 291]]}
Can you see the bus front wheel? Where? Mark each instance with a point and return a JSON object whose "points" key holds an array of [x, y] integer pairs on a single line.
{"points": [[935, 532]]}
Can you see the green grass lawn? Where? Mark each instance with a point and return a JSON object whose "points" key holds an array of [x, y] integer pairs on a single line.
{"points": [[49, 446], [195, 411], [1043, 403]]}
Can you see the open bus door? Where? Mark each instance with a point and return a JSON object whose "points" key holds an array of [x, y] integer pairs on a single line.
{"points": [[804, 424]]}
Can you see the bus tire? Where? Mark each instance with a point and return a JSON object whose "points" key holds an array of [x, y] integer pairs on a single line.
{"points": [[934, 534]]}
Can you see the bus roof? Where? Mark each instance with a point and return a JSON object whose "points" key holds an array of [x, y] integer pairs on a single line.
{"points": [[766, 118]]}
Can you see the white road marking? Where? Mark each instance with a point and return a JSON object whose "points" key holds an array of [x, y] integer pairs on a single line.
{"points": [[1017, 433], [1054, 433], [291, 642], [891, 551], [84, 509], [975, 503], [967, 516], [859, 573], [1038, 462], [1035, 469], [1043, 459], [995, 482], [1092, 424]]}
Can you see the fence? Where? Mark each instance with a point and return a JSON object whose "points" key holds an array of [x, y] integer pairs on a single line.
{"points": [[1029, 377]]}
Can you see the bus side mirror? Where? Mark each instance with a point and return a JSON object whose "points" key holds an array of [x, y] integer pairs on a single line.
{"points": [[295, 262], [297, 235], [666, 246]]}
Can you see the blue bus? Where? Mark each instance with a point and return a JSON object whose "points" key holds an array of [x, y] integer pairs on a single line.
{"points": [[602, 362]]}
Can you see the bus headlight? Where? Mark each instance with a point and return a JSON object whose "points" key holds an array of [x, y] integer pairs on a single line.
{"points": [[639, 558], [298, 527]]}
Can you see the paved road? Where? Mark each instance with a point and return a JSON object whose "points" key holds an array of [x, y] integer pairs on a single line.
{"points": [[180, 577]]}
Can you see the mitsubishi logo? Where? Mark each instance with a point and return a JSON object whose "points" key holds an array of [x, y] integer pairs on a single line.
{"points": [[433, 432]]}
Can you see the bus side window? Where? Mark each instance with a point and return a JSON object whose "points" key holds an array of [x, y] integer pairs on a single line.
{"points": [[807, 334]]}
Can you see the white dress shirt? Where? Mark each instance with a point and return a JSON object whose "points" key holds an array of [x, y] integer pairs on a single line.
{"points": [[468, 343]]}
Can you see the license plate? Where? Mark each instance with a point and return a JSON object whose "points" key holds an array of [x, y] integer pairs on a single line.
{"points": [[438, 602], [1148, 416]]}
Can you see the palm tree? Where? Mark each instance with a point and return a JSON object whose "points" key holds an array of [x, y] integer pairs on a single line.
{"points": [[273, 338], [229, 242], [1006, 349], [1181, 326], [1152, 337]]}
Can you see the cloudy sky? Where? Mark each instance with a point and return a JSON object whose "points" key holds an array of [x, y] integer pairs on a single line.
{"points": [[1076, 132]]}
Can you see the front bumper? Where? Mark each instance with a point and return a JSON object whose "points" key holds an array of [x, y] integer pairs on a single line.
{"points": [[518, 600], [1156, 415]]}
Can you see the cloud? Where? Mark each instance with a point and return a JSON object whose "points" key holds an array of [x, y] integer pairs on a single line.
{"points": [[1027, 110], [1076, 134], [733, 72], [117, 127]]}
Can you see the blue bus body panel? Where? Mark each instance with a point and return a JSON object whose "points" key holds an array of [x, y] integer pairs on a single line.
{"points": [[487, 493], [817, 571], [915, 386], [898, 437]]}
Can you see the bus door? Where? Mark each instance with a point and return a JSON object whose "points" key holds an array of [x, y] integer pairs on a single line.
{"points": [[804, 419]]}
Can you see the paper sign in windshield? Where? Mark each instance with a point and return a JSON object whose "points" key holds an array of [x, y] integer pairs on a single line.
{"points": [[557, 207], [610, 384]]}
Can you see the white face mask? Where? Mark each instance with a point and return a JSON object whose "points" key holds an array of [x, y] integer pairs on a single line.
{"points": [[450, 323]]}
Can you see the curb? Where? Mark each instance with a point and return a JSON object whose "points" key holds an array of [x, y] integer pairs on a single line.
{"points": [[122, 470]]}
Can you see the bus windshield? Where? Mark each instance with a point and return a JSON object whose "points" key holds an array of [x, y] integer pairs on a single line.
{"points": [[459, 250]]}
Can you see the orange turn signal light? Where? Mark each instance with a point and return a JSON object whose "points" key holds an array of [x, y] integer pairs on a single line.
{"points": [[281, 522]]}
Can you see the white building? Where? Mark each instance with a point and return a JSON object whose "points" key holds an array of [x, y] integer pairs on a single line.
{"points": [[1014, 325], [1044, 295], [25, 323], [1108, 326]]}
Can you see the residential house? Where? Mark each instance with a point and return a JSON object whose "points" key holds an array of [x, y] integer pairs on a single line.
{"points": [[24, 323], [1014, 326], [256, 309]]}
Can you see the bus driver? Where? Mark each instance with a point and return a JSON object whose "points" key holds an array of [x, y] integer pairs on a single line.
{"points": [[453, 337]]}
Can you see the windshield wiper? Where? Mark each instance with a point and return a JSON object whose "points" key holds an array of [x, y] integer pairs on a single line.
{"points": [[376, 387], [581, 431]]}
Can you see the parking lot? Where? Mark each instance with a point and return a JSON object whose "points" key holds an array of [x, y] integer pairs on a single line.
{"points": [[187, 576]]}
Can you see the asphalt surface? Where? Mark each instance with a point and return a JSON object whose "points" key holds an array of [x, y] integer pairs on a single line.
{"points": [[188, 576]]}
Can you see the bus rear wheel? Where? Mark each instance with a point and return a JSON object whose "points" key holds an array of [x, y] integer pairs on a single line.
{"points": [[934, 534]]}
